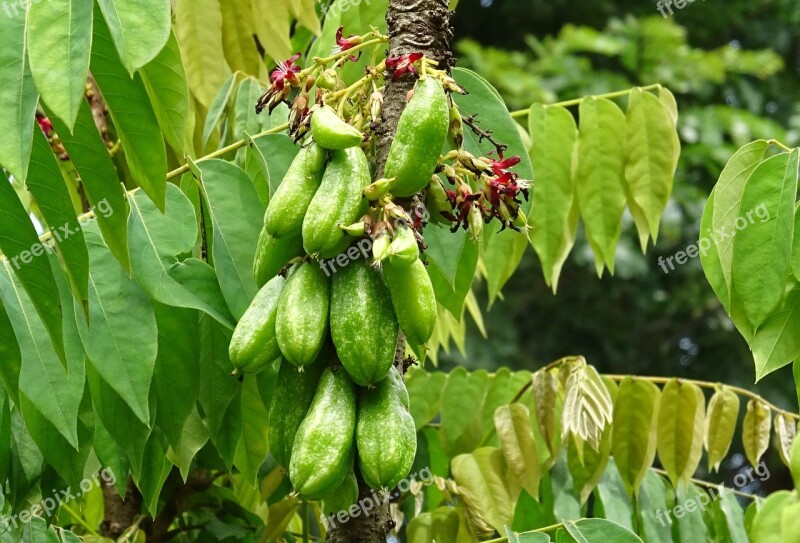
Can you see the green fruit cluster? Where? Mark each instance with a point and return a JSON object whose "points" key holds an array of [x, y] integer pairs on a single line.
{"points": [[338, 402]]}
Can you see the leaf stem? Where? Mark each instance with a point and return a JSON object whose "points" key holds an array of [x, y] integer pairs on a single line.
{"points": [[576, 101], [706, 484], [779, 144], [79, 520], [709, 385]]}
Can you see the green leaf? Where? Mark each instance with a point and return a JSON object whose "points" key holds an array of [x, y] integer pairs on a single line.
{"points": [[175, 378], [653, 513], [777, 341], [219, 108], [767, 524], [756, 430], [785, 432], [155, 470], [59, 44], [515, 433], [727, 201], [126, 20], [762, 248], [198, 27], [10, 355], [99, 179], [132, 114], [545, 394], [237, 215], [554, 213], [729, 518], [18, 96], [246, 120], [118, 428], [238, 44], [721, 418], [460, 407], [25, 256], [600, 176], [42, 376], [529, 537], [452, 261], [26, 461], [634, 436], [425, 392], [681, 421], [164, 80], [482, 474], [48, 187], [691, 526], [155, 240], [121, 337], [252, 448], [218, 386], [280, 150], [596, 530], [611, 500], [651, 160], [587, 468]]}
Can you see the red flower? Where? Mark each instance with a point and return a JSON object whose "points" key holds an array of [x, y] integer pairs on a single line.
{"points": [[44, 124], [285, 71], [402, 64], [500, 167], [343, 44]]}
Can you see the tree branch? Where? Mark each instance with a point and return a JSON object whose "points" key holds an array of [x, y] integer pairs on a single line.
{"points": [[414, 26]]}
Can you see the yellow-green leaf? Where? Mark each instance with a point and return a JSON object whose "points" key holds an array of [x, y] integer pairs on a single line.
{"points": [[554, 212], [306, 14], [515, 433], [482, 474], [238, 43], [785, 433], [127, 20], [634, 430], [721, 418], [545, 394], [198, 27], [651, 160], [756, 430], [680, 429], [600, 177], [273, 21]]}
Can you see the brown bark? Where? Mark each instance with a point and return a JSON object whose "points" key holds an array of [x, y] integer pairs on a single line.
{"points": [[119, 512], [414, 26]]}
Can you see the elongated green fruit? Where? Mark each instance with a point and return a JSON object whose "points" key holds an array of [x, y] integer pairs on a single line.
{"points": [[288, 205], [345, 495], [363, 325], [273, 254], [338, 202], [293, 394], [323, 446], [413, 299], [421, 133], [302, 317], [386, 438], [331, 132], [403, 250], [254, 345]]}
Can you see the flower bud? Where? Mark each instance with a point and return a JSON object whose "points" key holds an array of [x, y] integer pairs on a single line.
{"points": [[474, 223], [380, 247], [403, 250], [356, 229], [378, 189], [327, 79]]}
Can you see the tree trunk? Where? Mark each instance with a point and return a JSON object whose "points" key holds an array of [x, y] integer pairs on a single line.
{"points": [[414, 26]]}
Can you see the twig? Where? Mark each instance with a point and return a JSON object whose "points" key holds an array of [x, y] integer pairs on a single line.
{"points": [[484, 134]]}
